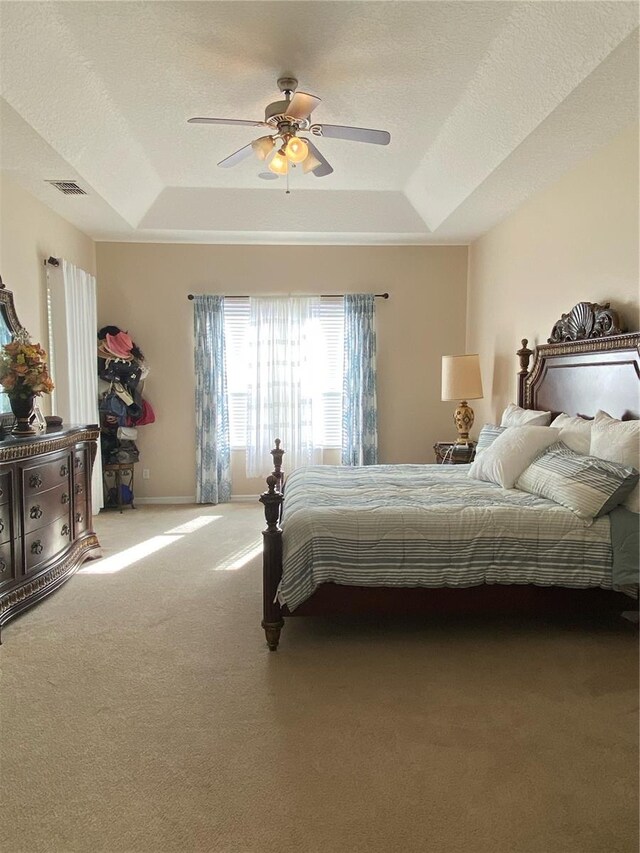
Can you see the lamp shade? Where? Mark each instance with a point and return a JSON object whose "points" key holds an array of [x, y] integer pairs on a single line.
{"points": [[296, 149], [461, 378], [263, 146], [278, 163], [310, 163]]}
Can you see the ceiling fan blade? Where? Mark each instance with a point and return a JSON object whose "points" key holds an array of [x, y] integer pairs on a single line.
{"points": [[245, 123], [236, 157], [325, 168], [302, 105], [354, 134]]}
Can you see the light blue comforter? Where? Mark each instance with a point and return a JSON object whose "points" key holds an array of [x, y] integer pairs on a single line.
{"points": [[432, 526]]}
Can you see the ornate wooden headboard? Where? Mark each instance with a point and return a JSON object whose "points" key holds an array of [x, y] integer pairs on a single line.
{"points": [[589, 363]]}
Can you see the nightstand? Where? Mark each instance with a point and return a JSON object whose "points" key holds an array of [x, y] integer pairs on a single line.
{"points": [[450, 453]]}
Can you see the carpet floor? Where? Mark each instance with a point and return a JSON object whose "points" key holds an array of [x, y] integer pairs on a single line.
{"points": [[143, 713]]}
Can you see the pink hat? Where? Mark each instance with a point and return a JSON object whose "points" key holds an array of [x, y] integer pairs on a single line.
{"points": [[120, 344], [105, 353]]}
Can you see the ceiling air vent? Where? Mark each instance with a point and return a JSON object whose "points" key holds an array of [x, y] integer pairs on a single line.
{"points": [[68, 187]]}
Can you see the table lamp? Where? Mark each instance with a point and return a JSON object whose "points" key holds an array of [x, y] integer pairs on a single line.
{"points": [[461, 381]]}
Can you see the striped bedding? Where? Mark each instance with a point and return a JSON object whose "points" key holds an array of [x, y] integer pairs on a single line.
{"points": [[432, 526]]}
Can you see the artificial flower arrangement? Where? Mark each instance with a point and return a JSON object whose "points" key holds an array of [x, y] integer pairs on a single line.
{"points": [[23, 370]]}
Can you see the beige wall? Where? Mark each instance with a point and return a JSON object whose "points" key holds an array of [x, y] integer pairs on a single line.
{"points": [[30, 233], [575, 241], [143, 288]]}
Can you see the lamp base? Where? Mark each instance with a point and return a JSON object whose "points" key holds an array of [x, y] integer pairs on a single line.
{"points": [[463, 419]]}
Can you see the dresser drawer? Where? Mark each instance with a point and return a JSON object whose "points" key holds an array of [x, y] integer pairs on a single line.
{"points": [[80, 462], [5, 523], [5, 487], [80, 490], [42, 509], [43, 544], [40, 477], [8, 564], [81, 516]]}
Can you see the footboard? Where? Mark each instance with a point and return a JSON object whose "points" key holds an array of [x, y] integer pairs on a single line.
{"points": [[272, 499]]}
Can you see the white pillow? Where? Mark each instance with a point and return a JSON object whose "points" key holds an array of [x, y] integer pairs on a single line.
{"points": [[513, 451], [618, 441], [488, 435], [516, 416], [575, 433]]}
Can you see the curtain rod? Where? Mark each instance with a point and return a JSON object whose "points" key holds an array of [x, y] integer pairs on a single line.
{"points": [[322, 296]]}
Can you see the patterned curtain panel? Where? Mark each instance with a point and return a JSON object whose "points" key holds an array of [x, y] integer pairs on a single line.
{"points": [[281, 385], [359, 416], [213, 452]]}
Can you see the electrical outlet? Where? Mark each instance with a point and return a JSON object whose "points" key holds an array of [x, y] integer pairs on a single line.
{"points": [[145, 473]]}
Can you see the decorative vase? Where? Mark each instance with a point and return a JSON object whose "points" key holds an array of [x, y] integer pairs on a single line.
{"points": [[22, 408]]}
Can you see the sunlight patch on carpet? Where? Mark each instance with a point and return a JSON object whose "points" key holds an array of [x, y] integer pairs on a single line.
{"points": [[193, 525], [128, 557], [239, 559]]}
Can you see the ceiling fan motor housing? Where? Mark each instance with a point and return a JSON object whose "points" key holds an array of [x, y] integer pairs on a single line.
{"points": [[275, 114], [276, 110]]}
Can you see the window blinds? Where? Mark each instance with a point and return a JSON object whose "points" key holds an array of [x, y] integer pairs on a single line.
{"points": [[328, 370]]}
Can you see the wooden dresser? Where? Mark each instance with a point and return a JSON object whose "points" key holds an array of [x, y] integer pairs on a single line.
{"points": [[45, 513]]}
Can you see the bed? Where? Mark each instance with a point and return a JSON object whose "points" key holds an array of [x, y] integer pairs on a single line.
{"points": [[428, 539]]}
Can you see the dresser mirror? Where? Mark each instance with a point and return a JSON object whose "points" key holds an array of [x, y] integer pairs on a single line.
{"points": [[9, 326]]}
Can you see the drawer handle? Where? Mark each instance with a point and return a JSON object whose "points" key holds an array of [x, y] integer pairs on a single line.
{"points": [[3, 566], [35, 481], [1, 525], [65, 530], [37, 547], [35, 512], [79, 489], [1, 492], [64, 499], [79, 518], [78, 464], [64, 470]]}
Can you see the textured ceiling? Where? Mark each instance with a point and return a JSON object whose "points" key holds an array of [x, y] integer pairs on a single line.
{"points": [[486, 103]]}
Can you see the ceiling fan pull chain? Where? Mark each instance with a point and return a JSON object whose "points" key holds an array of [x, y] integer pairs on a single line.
{"points": [[287, 191]]}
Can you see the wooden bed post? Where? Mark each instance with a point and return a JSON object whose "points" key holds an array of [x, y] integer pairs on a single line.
{"points": [[272, 621], [277, 454], [524, 355]]}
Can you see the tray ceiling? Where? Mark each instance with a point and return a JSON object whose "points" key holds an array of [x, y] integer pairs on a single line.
{"points": [[486, 102]]}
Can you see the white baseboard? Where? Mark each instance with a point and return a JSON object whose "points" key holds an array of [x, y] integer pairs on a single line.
{"points": [[169, 500], [192, 500]]}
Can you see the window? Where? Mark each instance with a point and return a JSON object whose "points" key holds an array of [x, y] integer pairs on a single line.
{"points": [[328, 370]]}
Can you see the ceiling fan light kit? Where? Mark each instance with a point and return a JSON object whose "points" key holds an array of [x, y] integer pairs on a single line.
{"points": [[279, 163], [263, 146], [288, 118], [296, 149], [310, 163]]}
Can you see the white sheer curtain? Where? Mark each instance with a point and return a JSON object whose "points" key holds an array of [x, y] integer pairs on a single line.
{"points": [[283, 354], [73, 352]]}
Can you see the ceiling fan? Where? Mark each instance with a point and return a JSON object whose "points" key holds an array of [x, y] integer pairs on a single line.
{"points": [[285, 146]]}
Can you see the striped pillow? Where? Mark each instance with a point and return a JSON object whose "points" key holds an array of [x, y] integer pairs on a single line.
{"points": [[588, 486], [488, 435]]}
